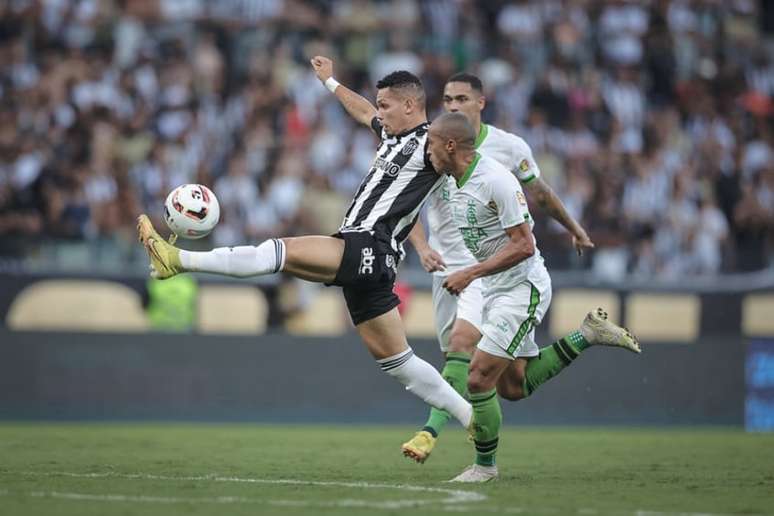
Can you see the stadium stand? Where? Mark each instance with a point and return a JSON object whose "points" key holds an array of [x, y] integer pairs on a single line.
{"points": [[653, 120]]}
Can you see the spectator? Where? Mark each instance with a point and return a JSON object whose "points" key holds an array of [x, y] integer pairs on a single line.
{"points": [[643, 115]]}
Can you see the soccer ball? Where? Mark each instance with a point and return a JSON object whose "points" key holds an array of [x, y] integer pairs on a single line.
{"points": [[191, 211]]}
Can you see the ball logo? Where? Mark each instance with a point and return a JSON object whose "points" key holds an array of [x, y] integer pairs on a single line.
{"points": [[176, 202], [366, 261], [205, 194]]}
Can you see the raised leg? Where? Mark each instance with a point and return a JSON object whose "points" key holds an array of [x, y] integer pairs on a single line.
{"points": [[313, 258]]}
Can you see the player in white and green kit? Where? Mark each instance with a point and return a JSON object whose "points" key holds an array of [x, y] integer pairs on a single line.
{"points": [[491, 213], [458, 318]]}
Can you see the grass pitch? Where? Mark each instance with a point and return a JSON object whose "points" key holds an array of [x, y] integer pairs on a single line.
{"points": [[106, 469]]}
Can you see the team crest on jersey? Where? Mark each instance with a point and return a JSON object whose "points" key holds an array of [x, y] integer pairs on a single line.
{"points": [[524, 165], [410, 147], [520, 197]]}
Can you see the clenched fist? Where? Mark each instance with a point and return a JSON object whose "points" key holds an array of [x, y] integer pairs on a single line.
{"points": [[323, 67]]}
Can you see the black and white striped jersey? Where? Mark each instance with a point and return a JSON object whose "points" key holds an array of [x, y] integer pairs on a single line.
{"points": [[388, 200]]}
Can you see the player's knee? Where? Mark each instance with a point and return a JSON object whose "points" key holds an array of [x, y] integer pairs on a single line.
{"points": [[475, 384], [478, 381], [459, 342]]}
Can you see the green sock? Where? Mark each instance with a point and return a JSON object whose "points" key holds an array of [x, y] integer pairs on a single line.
{"points": [[552, 360], [487, 417], [455, 371]]}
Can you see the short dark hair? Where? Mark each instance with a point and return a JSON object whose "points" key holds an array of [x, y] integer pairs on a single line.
{"points": [[406, 83], [398, 79], [469, 78]]}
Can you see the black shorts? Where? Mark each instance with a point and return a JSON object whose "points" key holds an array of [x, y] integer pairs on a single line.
{"points": [[367, 275]]}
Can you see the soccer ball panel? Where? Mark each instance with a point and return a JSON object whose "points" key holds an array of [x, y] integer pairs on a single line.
{"points": [[191, 211]]}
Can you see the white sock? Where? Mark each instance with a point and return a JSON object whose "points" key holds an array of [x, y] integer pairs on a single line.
{"points": [[426, 382], [241, 262]]}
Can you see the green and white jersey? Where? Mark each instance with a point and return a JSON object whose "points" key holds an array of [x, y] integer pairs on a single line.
{"points": [[443, 234], [511, 152], [487, 201]]}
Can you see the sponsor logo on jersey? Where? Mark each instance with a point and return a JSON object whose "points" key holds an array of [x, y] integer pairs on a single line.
{"points": [[366, 261], [472, 238], [389, 168], [472, 235], [524, 165], [520, 197], [470, 213]]}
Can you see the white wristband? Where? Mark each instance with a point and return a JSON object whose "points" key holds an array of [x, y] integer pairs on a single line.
{"points": [[331, 84]]}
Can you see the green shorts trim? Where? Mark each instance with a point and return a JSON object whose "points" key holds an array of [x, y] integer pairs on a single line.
{"points": [[529, 323]]}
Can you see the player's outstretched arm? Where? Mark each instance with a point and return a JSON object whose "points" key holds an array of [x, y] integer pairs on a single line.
{"points": [[358, 107], [431, 260], [549, 202]]}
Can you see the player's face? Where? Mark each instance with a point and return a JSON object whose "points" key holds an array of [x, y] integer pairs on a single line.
{"points": [[460, 97], [437, 152], [392, 111]]}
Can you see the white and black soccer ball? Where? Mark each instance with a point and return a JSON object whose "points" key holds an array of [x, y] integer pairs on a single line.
{"points": [[191, 211]]}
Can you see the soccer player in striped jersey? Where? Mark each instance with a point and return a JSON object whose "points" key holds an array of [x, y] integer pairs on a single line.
{"points": [[491, 214], [363, 256], [458, 318]]}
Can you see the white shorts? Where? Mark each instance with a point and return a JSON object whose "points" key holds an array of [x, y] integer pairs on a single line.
{"points": [[510, 317], [447, 308]]}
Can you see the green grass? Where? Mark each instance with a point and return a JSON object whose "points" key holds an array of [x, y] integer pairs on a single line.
{"points": [[161, 470]]}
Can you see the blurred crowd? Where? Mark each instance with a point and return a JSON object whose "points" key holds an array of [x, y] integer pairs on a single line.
{"points": [[652, 119]]}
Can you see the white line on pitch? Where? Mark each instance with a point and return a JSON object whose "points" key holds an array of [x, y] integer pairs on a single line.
{"points": [[454, 496], [344, 503], [453, 503], [135, 498]]}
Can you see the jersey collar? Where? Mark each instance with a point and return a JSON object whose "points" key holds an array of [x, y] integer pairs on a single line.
{"points": [[412, 130], [481, 135], [469, 171]]}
